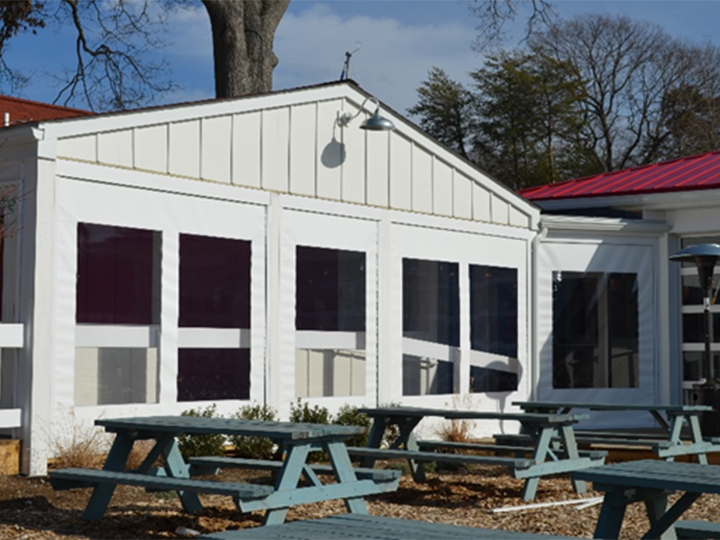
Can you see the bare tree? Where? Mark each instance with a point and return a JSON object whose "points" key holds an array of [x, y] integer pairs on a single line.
{"points": [[628, 68], [112, 69], [494, 15]]}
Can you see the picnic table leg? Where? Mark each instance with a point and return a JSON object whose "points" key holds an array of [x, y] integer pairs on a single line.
{"points": [[340, 461], [102, 493], [611, 515], [375, 438], [407, 440], [567, 436], [697, 437], [542, 445], [661, 518], [288, 478], [176, 467]]}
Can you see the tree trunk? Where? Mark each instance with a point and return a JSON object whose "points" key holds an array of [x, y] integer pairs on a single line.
{"points": [[243, 33]]}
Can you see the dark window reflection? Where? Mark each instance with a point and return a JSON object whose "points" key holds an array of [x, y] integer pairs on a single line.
{"points": [[422, 376], [694, 327], [330, 290], [213, 374], [214, 282], [693, 364], [494, 310], [595, 330], [492, 380], [431, 301], [118, 275]]}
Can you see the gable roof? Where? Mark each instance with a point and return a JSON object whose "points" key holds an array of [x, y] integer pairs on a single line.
{"points": [[683, 174], [290, 142], [15, 111]]}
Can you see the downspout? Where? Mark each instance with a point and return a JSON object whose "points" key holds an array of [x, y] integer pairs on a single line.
{"points": [[534, 338]]}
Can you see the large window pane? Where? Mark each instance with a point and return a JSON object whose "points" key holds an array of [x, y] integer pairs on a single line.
{"points": [[595, 330], [693, 319], [117, 275], [330, 315], [213, 374], [214, 282], [330, 292], [117, 289], [431, 326], [111, 375], [494, 310], [214, 318], [493, 331]]}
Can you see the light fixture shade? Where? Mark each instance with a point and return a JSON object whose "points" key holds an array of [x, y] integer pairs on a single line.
{"points": [[704, 256], [377, 123]]}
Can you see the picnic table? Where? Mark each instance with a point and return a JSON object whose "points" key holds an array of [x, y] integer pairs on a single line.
{"points": [[297, 439], [651, 482], [671, 419], [530, 463]]}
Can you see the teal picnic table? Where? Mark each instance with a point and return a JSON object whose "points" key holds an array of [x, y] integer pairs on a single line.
{"points": [[538, 459], [297, 439], [651, 482], [670, 418]]}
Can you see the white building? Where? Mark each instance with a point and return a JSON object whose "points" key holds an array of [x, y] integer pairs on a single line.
{"points": [[254, 250], [265, 249]]}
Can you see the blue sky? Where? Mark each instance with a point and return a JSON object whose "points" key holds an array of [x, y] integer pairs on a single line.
{"points": [[398, 42]]}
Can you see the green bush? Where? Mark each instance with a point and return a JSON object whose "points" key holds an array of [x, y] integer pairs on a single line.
{"points": [[302, 413], [201, 445], [348, 415], [254, 447]]}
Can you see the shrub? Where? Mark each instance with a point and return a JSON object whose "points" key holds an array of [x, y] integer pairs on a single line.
{"points": [[81, 446], [348, 415], [302, 413], [254, 447], [201, 445]]}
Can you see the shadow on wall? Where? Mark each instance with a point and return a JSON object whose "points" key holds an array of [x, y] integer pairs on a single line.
{"points": [[333, 155]]}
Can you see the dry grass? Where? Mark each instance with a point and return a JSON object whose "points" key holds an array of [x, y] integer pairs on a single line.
{"points": [[80, 446]]}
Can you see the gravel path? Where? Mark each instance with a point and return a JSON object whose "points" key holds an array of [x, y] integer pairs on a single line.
{"points": [[31, 509]]}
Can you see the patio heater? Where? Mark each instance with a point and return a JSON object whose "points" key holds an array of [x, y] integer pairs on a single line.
{"points": [[706, 392]]}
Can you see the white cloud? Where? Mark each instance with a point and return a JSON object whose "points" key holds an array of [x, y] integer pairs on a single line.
{"points": [[394, 57]]}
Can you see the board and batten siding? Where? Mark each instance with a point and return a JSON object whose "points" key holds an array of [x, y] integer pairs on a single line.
{"points": [[300, 149]]}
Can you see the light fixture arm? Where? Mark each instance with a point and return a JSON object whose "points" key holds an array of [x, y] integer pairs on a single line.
{"points": [[345, 118], [374, 123]]}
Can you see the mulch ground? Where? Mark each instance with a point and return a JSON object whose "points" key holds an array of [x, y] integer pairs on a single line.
{"points": [[31, 509]]}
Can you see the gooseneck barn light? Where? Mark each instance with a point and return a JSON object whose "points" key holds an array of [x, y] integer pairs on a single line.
{"points": [[374, 123]]}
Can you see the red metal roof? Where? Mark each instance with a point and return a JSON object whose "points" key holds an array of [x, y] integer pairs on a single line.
{"points": [[21, 111], [682, 174]]}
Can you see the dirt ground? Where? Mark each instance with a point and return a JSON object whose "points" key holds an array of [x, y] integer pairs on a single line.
{"points": [[31, 509]]}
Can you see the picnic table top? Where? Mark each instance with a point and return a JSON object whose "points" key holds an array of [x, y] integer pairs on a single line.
{"points": [[419, 412], [228, 426], [554, 405], [654, 474]]}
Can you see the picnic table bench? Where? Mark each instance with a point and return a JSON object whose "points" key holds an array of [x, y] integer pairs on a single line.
{"points": [[672, 419], [297, 439], [353, 526], [539, 458]]}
